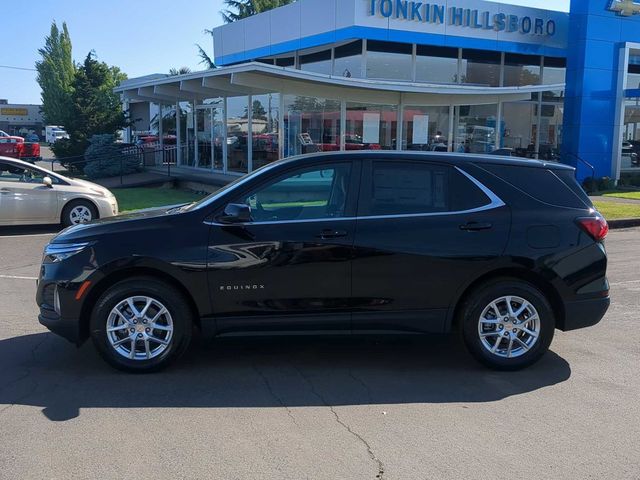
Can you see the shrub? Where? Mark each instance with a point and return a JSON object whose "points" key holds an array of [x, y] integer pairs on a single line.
{"points": [[106, 158]]}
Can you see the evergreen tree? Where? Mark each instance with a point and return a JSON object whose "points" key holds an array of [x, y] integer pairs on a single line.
{"points": [[94, 107], [239, 9], [56, 72]]}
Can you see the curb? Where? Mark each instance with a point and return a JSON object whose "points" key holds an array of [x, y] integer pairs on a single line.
{"points": [[624, 223]]}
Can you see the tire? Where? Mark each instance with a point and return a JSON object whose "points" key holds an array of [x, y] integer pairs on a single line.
{"points": [[153, 348], [507, 341], [78, 211]]}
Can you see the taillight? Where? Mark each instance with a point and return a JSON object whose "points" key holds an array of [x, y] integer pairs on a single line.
{"points": [[596, 227]]}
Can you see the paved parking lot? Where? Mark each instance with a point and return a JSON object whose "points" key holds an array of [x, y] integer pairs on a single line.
{"points": [[324, 408]]}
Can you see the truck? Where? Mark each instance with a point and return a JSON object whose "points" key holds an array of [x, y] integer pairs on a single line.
{"points": [[16, 147], [53, 133]]}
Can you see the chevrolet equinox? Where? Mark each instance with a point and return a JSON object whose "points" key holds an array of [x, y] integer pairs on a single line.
{"points": [[503, 250]]}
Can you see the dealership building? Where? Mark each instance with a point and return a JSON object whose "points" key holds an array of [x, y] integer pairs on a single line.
{"points": [[451, 76]]}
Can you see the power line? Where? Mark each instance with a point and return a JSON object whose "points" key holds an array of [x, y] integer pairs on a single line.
{"points": [[18, 68]]}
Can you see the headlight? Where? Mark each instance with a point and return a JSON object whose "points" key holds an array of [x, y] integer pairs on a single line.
{"points": [[56, 252]]}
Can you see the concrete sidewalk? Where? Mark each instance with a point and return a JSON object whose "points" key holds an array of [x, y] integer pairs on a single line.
{"points": [[615, 200]]}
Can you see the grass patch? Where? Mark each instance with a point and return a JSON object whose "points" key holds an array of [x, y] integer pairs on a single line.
{"points": [[138, 198], [615, 211], [629, 195]]}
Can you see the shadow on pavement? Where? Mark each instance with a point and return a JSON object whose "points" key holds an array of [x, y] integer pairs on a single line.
{"points": [[16, 231], [45, 371]]}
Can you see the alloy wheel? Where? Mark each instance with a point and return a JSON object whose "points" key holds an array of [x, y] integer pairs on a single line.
{"points": [[140, 328], [509, 326]]}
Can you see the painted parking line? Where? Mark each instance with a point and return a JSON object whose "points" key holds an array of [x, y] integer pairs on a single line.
{"points": [[17, 235], [18, 277]]}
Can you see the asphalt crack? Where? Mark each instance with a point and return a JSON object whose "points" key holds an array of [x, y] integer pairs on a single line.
{"points": [[346, 426], [275, 395]]}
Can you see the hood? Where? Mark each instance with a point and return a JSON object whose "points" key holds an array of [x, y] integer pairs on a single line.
{"points": [[93, 186], [134, 221]]}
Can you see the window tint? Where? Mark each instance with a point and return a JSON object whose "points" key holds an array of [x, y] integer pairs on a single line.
{"points": [[306, 194], [542, 184], [413, 188]]}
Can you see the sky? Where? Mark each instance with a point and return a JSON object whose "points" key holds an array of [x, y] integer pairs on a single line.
{"points": [[139, 37]]}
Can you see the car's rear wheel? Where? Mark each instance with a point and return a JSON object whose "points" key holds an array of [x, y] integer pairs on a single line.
{"points": [[507, 324], [77, 212], [141, 325]]}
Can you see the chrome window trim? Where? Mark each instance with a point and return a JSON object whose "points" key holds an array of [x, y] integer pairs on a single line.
{"points": [[495, 202]]}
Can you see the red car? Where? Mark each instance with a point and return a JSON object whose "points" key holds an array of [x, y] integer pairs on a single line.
{"points": [[16, 147]]}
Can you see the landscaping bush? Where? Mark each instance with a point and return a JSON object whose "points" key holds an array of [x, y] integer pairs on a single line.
{"points": [[629, 180], [592, 185], [106, 158]]}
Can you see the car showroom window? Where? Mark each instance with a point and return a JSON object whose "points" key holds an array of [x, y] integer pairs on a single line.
{"points": [[305, 194], [416, 188]]}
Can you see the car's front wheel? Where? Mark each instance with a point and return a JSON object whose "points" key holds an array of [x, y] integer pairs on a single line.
{"points": [[507, 324], [77, 212], [141, 325]]}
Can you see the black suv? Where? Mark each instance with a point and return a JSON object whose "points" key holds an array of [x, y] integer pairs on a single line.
{"points": [[504, 250]]}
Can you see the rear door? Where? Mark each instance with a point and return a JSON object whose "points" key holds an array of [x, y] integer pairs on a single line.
{"points": [[423, 230]]}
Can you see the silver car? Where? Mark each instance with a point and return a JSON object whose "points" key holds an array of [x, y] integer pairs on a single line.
{"points": [[30, 194]]}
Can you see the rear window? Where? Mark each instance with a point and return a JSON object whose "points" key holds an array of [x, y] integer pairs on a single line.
{"points": [[554, 187]]}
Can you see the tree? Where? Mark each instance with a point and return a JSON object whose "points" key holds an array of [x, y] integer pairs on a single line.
{"points": [[94, 107], [56, 72], [205, 59], [239, 9], [179, 71], [258, 111]]}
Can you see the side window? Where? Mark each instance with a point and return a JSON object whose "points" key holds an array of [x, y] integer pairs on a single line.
{"points": [[11, 173], [404, 188], [306, 194]]}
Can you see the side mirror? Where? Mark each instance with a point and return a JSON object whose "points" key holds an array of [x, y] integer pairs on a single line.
{"points": [[236, 213], [47, 182]]}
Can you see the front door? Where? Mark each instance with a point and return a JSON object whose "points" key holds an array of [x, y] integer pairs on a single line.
{"points": [[290, 266], [23, 196], [423, 230]]}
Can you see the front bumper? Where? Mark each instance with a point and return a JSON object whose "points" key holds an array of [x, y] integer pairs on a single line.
{"points": [[68, 329], [584, 313]]}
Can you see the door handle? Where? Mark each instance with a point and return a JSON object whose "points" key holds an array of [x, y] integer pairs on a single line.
{"points": [[4, 191], [329, 233], [476, 226]]}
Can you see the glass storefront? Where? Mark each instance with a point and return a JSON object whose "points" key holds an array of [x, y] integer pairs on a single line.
{"points": [[311, 125], [371, 127], [519, 128], [265, 128], [347, 60], [237, 134], [389, 61], [480, 67], [425, 128], [551, 118], [475, 128], [318, 62], [521, 70], [436, 64]]}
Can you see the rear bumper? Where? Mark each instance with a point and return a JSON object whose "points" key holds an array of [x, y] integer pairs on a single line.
{"points": [[584, 313]]}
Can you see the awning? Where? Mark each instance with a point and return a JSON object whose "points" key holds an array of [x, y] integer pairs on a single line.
{"points": [[257, 78]]}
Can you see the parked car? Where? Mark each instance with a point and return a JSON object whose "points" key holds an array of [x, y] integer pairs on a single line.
{"points": [[33, 195], [629, 156], [16, 147], [32, 137], [503, 250]]}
